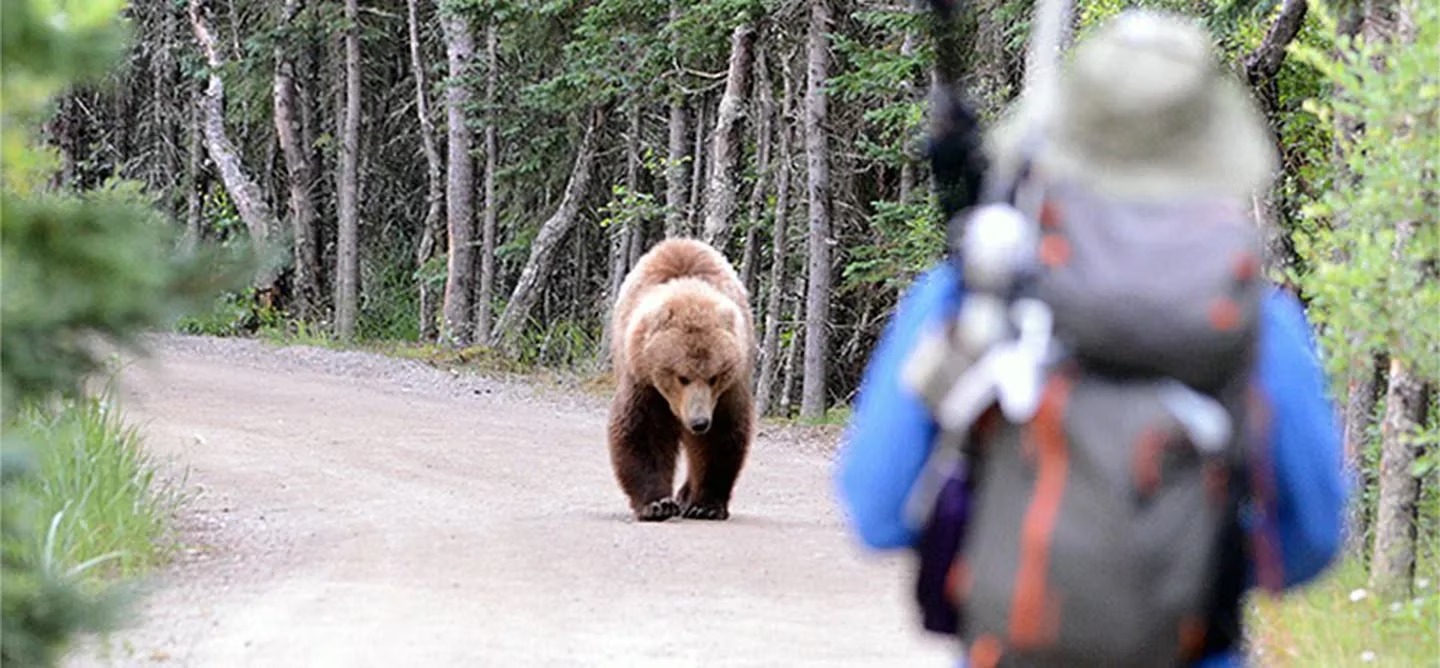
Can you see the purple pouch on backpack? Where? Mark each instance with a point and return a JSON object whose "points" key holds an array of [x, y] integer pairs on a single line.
{"points": [[937, 548]]}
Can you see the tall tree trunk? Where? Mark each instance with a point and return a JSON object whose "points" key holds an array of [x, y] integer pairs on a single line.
{"points": [[434, 185], [675, 214], [697, 172], [817, 298], [794, 352], [300, 175], [633, 229], [907, 166], [193, 173], [779, 238], [675, 172], [1365, 374], [484, 307], [347, 239], [459, 205], [166, 108], [720, 202], [764, 111], [1362, 389], [547, 241], [621, 235], [1392, 565], [640, 229], [244, 192]]}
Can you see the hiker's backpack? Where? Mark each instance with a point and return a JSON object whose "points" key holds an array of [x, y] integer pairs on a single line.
{"points": [[1103, 528]]}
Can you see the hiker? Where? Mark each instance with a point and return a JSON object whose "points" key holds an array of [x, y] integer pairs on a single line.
{"points": [[1142, 115]]}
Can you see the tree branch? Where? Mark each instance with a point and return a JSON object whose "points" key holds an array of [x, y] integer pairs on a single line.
{"points": [[1264, 62]]}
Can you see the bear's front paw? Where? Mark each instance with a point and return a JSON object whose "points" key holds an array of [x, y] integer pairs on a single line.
{"points": [[658, 510], [706, 511]]}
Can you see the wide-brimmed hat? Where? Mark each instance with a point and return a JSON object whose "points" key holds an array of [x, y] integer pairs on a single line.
{"points": [[1142, 109]]}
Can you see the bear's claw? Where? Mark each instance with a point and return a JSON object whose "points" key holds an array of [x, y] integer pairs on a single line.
{"points": [[705, 512], [658, 510]]}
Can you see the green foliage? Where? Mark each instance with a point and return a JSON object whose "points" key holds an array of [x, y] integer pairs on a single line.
{"points": [[41, 603], [906, 239], [232, 313], [107, 255], [563, 343], [96, 486], [1375, 246], [47, 45], [627, 208], [882, 80], [615, 49], [1337, 622], [80, 270], [390, 308]]}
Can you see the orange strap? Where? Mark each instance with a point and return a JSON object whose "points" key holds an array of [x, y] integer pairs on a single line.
{"points": [[1035, 612]]}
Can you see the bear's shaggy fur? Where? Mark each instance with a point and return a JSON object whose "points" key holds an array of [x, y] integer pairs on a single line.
{"points": [[683, 351]]}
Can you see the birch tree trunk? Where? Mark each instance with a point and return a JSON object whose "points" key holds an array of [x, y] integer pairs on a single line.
{"points": [[164, 86], [1392, 565], [1367, 375], [460, 176], [300, 175], [779, 239], [244, 192], [621, 236], [1362, 390], [907, 166], [764, 111], [725, 151], [817, 298], [794, 352], [347, 240], [434, 185], [193, 174], [484, 307], [675, 187], [697, 172], [547, 241]]}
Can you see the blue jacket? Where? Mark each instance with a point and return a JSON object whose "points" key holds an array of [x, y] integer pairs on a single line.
{"points": [[890, 432]]}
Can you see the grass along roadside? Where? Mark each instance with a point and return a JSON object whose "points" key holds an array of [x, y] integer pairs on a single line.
{"points": [[1336, 621], [97, 501]]}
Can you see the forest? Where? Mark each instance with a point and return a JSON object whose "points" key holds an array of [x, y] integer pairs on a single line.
{"points": [[479, 175]]}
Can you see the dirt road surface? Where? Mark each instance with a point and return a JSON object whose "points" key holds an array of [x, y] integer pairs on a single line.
{"points": [[355, 510]]}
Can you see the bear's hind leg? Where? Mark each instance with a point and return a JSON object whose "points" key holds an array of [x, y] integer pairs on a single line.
{"points": [[644, 443]]}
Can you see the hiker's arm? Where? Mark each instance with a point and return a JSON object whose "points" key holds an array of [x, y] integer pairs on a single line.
{"points": [[889, 434], [1306, 454]]}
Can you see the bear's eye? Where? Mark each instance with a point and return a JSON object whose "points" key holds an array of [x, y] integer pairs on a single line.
{"points": [[714, 380], [684, 380]]}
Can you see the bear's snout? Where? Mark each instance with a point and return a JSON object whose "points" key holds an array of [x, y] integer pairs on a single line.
{"points": [[697, 407]]}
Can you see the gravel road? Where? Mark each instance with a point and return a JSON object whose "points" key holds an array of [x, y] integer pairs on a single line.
{"points": [[355, 510]]}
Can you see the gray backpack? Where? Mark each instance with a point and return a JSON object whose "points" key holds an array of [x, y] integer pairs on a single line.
{"points": [[1102, 529]]}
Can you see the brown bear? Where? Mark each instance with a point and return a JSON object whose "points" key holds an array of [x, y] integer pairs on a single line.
{"points": [[683, 350]]}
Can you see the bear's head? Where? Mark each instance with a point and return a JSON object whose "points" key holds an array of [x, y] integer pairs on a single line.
{"points": [[687, 342]]}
